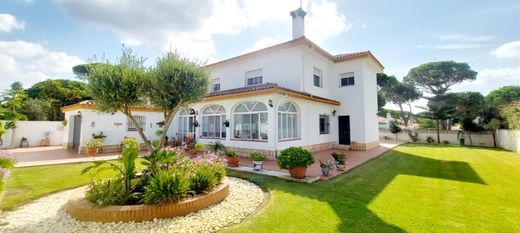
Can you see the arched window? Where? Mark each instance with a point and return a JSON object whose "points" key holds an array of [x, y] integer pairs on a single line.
{"points": [[250, 121], [186, 120], [288, 123], [213, 118]]}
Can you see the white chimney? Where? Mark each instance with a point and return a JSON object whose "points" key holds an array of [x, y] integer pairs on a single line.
{"points": [[298, 25]]}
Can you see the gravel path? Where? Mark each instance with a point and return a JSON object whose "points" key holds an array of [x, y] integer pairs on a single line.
{"points": [[48, 215]]}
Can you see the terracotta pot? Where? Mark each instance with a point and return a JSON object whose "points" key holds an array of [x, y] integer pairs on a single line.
{"points": [[232, 161], [298, 172], [92, 151]]}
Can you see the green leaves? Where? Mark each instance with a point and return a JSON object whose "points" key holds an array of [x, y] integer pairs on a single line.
{"points": [[437, 77], [294, 157]]}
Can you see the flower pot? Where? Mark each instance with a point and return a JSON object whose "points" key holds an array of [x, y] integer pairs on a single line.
{"points": [[92, 151], [326, 171], [257, 165], [45, 142], [232, 161], [340, 167], [298, 172]]}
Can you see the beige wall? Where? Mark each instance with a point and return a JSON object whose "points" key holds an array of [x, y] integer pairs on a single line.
{"points": [[509, 139]]}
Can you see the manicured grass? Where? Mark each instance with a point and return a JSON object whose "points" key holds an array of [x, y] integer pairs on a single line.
{"points": [[29, 183], [413, 188]]}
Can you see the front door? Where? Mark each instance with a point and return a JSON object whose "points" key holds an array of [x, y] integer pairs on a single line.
{"points": [[344, 130], [76, 133]]}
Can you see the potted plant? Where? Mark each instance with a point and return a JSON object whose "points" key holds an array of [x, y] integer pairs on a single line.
{"points": [[327, 167], [296, 159], [340, 160], [46, 141], [226, 123], [93, 146], [258, 159], [232, 159], [217, 147]]}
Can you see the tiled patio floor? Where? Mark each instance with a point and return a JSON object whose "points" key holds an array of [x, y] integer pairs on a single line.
{"points": [[34, 156], [354, 159]]}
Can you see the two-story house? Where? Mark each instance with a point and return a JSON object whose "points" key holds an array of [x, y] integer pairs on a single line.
{"points": [[290, 94]]}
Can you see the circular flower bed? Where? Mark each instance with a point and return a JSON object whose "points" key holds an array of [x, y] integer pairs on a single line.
{"points": [[48, 215]]}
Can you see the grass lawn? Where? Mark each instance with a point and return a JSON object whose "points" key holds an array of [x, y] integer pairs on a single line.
{"points": [[413, 188]]}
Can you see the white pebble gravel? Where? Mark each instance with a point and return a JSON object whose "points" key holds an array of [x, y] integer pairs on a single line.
{"points": [[48, 215]]}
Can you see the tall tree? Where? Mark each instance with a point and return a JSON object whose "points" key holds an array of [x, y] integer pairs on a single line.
{"points": [[503, 95], [469, 106], [440, 107], [119, 87], [511, 113], [436, 78], [59, 92], [12, 100], [399, 93], [36, 109], [175, 82]]}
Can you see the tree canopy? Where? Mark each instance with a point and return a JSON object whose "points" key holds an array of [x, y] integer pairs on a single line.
{"points": [[438, 77], [503, 95], [399, 93]]}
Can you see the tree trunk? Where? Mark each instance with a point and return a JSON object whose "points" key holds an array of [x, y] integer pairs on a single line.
{"points": [[494, 138], [128, 113], [405, 119], [438, 132], [167, 123]]}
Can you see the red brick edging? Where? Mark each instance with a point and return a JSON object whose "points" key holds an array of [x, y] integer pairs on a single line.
{"points": [[79, 208]]}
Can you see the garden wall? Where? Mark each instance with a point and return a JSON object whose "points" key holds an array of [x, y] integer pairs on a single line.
{"points": [[509, 139], [477, 138], [34, 132]]}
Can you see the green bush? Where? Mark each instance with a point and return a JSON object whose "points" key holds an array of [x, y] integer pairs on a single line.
{"points": [[199, 146], [108, 192], [203, 179], [430, 139], [166, 185], [155, 143], [339, 158], [294, 157], [231, 154], [256, 156], [217, 146], [445, 142], [7, 162]]}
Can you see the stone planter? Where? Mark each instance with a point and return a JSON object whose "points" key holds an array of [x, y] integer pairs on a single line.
{"points": [[91, 151], [79, 208], [257, 165], [326, 171], [298, 172], [232, 161], [340, 167]]}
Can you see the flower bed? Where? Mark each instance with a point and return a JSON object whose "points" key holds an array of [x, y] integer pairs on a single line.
{"points": [[81, 209]]}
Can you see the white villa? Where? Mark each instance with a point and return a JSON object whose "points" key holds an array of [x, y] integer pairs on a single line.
{"points": [[291, 94]]}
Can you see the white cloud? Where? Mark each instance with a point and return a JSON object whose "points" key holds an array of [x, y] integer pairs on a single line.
{"points": [[491, 79], [263, 42], [508, 50], [31, 62], [460, 41], [9, 23], [190, 26], [466, 38], [457, 46]]}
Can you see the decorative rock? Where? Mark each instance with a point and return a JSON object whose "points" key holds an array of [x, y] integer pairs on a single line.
{"points": [[48, 215]]}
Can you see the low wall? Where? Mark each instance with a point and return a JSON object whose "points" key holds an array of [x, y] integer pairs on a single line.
{"points": [[34, 132], [484, 138], [509, 139]]}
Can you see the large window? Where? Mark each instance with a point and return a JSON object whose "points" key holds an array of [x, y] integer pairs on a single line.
{"points": [[215, 85], [346, 79], [254, 77], [324, 124], [141, 120], [317, 77], [213, 118], [186, 121], [250, 121], [288, 125]]}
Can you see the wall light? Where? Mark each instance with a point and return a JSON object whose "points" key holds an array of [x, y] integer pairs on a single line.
{"points": [[271, 103], [334, 113]]}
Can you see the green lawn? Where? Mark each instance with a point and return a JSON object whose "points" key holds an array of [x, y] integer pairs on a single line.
{"points": [[414, 188]]}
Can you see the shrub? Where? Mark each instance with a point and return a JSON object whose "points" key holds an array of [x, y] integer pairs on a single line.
{"points": [[256, 156], [130, 142], [430, 139], [108, 192], [294, 157], [199, 146], [155, 143], [6, 161], [166, 185], [231, 154], [445, 142], [94, 143], [414, 136], [339, 158], [203, 179], [99, 135], [217, 146]]}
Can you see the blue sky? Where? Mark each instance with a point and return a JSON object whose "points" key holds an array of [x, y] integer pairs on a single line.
{"points": [[42, 39]]}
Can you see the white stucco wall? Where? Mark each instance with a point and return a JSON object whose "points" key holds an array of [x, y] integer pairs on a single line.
{"points": [[509, 139], [34, 132]]}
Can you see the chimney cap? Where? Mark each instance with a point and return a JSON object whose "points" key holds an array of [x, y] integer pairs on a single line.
{"points": [[298, 12]]}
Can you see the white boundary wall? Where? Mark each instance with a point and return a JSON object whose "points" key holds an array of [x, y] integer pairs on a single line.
{"points": [[34, 132], [509, 139]]}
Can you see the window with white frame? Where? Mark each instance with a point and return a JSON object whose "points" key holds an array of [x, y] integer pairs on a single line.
{"points": [[317, 77], [186, 124], [324, 124], [250, 121], [254, 77], [141, 121], [288, 123], [346, 79], [215, 85], [213, 118]]}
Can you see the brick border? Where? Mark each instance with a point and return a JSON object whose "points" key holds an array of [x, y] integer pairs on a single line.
{"points": [[79, 208]]}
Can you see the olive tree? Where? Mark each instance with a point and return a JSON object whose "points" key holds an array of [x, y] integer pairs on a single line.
{"points": [[176, 82], [119, 86]]}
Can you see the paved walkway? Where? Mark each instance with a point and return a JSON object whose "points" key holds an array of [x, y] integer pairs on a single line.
{"points": [[36, 156], [354, 159]]}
